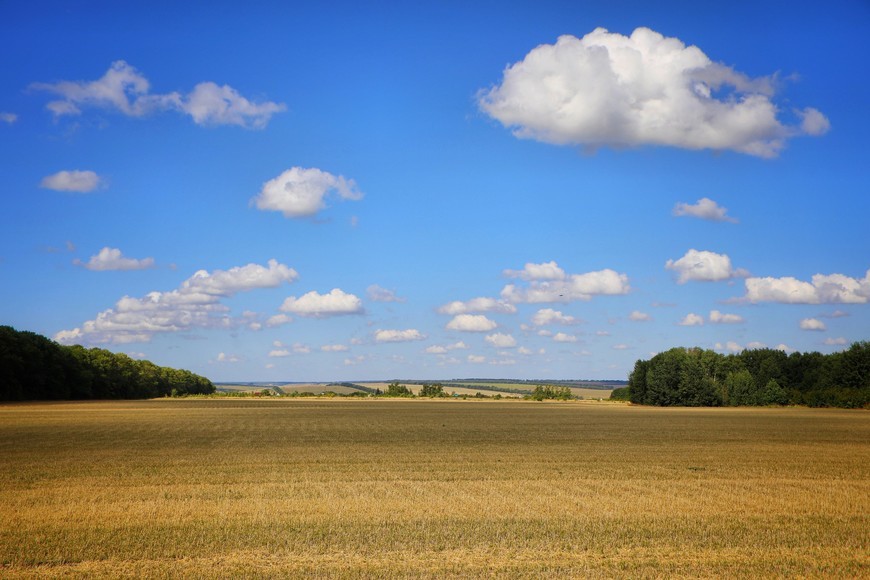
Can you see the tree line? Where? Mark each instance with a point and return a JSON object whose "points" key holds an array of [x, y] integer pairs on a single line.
{"points": [[704, 378], [33, 367]]}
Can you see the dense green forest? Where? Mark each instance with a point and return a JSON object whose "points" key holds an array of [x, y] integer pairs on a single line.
{"points": [[698, 378], [32, 367]]}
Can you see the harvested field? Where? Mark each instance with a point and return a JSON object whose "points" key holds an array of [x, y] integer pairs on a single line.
{"points": [[373, 488]]}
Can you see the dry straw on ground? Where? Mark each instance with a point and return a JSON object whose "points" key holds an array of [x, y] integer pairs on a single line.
{"points": [[337, 488]]}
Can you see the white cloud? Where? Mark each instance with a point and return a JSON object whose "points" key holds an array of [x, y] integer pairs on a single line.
{"points": [[835, 341], [729, 346], [377, 294], [621, 347], [544, 271], [196, 303], [562, 337], [501, 340], [112, 259], [77, 181], [314, 305], [547, 316], [755, 345], [301, 192], [227, 358], [717, 317], [279, 353], [359, 359], [334, 348], [476, 359], [408, 335], [704, 266], [477, 305], [438, 349], [524, 351], [812, 324], [210, 104], [471, 323], [602, 333], [9, 118], [638, 316], [300, 348], [692, 319], [705, 209], [127, 91], [813, 122], [824, 289], [278, 320], [574, 287], [607, 89], [784, 348]]}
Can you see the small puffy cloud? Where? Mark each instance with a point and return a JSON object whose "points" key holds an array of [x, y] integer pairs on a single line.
{"points": [[125, 90], [300, 192], [705, 209], [812, 324], [755, 345], [602, 333], [377, 294], [835, 341], [112, 259], [227, 358], [784, 348], [359, 359], [813, 122], [692, 319], [300, 348], [278, 320], [196, 303], [476, 359], [544, 271], [281, 352], [77, 181], [500, 340], [607, 89], [717, 317], [823, 289], [8, 118], [334, 348], [240, 279], [314, 305], [211, 104], [438, 349], [481, 304], [621, 347], [408, 335], [562, 337], [571, 288], [547, 316], [704, 266], [638, 316], [471, 323], [729, 346]]}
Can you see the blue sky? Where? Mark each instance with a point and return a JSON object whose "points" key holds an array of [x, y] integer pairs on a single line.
{"points": [[258, 191]]}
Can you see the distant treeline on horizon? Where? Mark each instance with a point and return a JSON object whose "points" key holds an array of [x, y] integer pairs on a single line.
{"points": [[33, 367], [704, 378]]}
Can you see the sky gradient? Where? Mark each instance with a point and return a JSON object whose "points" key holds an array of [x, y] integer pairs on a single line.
{"points": [[374, 190]]}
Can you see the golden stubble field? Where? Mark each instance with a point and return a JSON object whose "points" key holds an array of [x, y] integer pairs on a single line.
{"points": [[375, 488]]}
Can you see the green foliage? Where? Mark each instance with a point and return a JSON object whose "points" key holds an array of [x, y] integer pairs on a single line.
{"points": [[436, 390], [550, 392], [32, 367], [394, 389], [621, 394], [696, 377]]}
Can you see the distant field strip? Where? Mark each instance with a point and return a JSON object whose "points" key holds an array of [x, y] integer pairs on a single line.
{"points": [[451, 488]]}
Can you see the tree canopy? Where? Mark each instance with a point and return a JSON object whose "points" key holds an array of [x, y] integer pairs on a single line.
{"points": [[701, 378], [33, 367]]}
